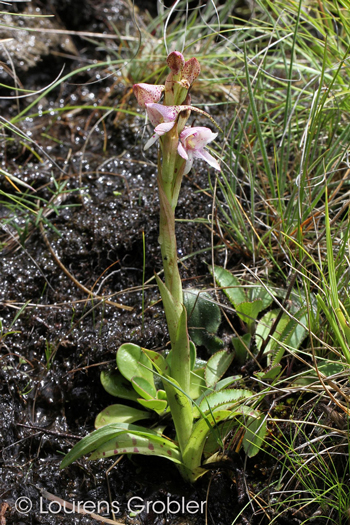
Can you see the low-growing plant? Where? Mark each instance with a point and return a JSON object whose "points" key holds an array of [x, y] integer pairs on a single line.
{"points": [[190, 390], [251, 300]]}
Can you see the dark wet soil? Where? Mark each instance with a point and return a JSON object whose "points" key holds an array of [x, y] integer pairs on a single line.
{"points": [[97, 196]]}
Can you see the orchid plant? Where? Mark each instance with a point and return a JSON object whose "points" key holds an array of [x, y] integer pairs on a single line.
{"points": [[193, 391]]}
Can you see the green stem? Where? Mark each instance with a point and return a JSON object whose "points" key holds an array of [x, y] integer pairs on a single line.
{"points": [[167, 241], [169, 181]]}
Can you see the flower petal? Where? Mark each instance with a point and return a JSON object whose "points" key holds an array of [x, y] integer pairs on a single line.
{"points": [[164, 127], [205, 155], [199, 136], [151, 141], [181, 151], [158, 113], [188, 166], [191, 71], [146, 93]]}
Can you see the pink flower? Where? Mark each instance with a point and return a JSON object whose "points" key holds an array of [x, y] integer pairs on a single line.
{"points": [[191, 146], [147, 93], [163, 119]]}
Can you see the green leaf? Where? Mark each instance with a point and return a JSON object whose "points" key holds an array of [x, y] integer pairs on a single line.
{"points": [[202, 311], [212, 342], [132, 362], [224, 399], [254, 435], [193, 355], [219, 434], [227, 381], [172, 309], [216, 367], [310, 376], [204, 318], [221, 385], [259, 292], [120, 414], [102, 435], [249, 311], [192, 454], [159, 361], [264, 327], [158, 405], [144, 388], [249, 302], [132, 443], [230, 285], [181, 410], [180, 355], [197, 383], [288, 331], [161, 394], [270, 373], [116, 385], [240, 344]]}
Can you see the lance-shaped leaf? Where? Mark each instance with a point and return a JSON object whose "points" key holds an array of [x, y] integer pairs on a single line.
{"points": [[224, 399], [254, 435], [219, 434], [288, 332], [102, 435], [133, 443], [120, 414], [230, 285], [172, 309], [248, 311], [241, 346], [269, 374], [192, 455], [197, 383], [194, 361], [180, 356], [181, 410], [216, 367], [221, 385]]}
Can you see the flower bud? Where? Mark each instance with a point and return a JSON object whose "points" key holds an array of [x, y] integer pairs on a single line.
{"points": [[175, 62]]}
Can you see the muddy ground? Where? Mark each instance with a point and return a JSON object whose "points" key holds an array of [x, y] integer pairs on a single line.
{"points": [[55, 341]]}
